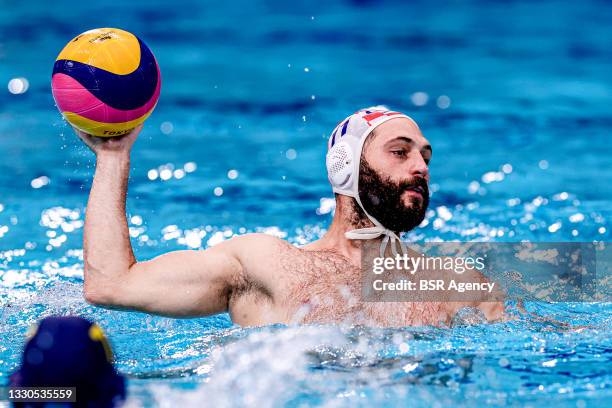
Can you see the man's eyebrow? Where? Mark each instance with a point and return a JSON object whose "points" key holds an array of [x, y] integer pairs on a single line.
{"points": [[409, 141]]}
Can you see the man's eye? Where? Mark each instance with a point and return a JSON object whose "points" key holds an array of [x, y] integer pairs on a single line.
{"points": [[400, 153]]}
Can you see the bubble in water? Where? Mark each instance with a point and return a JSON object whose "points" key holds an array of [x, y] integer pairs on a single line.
{"points": [[562, 196], [291, 154], [40, 182], [492, 176], [190, 167], [152, 174], [166, 128], [443, 102], [444, 213], [178, 174], [165, 174], [578, 217], [513, 202], [419, 98], [326, 205], [193, 240], [216, 238], [18, 85]]}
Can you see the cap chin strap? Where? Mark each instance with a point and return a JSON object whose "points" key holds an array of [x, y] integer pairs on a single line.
{"points": [[375, 232]]}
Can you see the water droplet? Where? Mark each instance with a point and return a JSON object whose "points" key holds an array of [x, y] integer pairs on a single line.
{"points": [[443, 102], [578, 217], [40, 182], [291, 154], [136, 220], [554, 227], [419, 98], [18, 85], [165, 174], [166, 128], [190, 167]]}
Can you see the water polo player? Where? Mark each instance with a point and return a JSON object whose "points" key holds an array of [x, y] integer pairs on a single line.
{"points": [[377, 164]]}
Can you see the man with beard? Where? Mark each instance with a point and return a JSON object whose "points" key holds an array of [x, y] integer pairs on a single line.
{"points": [[377, 163]]}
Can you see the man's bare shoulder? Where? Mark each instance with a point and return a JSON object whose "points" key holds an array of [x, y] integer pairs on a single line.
{"points": [[257, 245], [262, 256]]}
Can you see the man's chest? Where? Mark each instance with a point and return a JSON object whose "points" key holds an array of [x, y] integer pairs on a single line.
{"points": [[326, 288]]}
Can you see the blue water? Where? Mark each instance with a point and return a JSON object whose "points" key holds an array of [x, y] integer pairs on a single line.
{"points": [[515, 98]]}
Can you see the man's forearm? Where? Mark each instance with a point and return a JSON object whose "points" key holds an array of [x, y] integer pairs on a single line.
{"points": [[106, 242]]}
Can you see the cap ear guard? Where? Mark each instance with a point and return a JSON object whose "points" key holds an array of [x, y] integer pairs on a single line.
{"points": [[340, 166]]}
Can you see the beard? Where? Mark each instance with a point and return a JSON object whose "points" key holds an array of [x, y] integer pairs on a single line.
{"points": [[382, 199]]}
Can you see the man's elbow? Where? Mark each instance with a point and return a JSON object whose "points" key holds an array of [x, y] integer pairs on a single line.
{"points": [[98, 296], [100, 291]]}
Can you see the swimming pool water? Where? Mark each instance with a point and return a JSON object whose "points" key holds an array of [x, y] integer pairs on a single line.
{"points": [[515, 98]]}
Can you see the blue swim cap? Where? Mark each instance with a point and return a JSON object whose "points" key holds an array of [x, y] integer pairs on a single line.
{"points": [[69, 351]]}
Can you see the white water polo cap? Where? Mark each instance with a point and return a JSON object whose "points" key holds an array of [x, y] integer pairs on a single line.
{"points": [[343, 160]]}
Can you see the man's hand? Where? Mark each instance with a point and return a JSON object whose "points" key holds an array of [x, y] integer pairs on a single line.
{"points": [[116, 144]]}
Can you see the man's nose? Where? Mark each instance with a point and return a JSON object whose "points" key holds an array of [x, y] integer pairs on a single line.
{"points": [[419, 168]]}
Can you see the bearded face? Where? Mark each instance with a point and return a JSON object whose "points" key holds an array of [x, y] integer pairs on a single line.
{"points": [[398, 206]]}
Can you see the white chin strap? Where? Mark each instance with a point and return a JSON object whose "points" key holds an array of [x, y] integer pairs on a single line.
{"points": [[375, 232]]}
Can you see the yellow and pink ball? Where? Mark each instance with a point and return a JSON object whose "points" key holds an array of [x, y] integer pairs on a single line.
{"points": [[106, 82]]}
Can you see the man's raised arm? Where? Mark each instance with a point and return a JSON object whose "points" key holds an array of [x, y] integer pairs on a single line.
{"points": [[181, 283]]}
